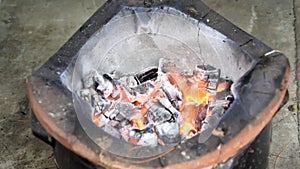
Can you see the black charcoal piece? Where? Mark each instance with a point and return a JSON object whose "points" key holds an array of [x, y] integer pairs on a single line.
{"points": [[230, 98], [212, 84], [103, 86], [147, 74]]}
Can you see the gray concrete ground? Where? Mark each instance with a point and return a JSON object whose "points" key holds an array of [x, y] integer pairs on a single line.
{"points": [[32, 30]]}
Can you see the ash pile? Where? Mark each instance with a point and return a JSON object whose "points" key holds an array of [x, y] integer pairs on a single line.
{"points": [[159, 105]]}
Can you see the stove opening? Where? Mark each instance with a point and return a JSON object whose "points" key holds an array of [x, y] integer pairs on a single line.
{"points": [[153, 77]]}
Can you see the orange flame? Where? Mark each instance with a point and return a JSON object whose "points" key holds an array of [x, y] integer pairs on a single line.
{"points": [[195, 98], [194, 93]]}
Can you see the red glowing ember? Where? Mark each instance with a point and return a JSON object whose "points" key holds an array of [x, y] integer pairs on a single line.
{"points": [[160, 105]]}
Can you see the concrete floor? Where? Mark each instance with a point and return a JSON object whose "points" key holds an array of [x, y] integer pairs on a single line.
{"points": [[33, 30]]}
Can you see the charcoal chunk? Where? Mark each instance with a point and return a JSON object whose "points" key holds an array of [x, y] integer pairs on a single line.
{"points": [[210, 74], [158, 114], [147, 74], [210, 123], [125, 109], [168, 132]]}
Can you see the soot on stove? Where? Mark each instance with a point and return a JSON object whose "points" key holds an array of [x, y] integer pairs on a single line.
{"points": [[159, 105]]}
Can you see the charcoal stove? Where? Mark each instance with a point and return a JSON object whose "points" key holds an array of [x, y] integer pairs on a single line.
{"points": [[127, 37]]}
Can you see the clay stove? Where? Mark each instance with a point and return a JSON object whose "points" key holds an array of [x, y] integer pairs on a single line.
{"points": [[148, 57]]}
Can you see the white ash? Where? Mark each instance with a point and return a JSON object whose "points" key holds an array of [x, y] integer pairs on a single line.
{"points": [[173, 94]]}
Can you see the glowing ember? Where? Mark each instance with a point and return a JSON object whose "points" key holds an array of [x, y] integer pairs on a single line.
{"points": [[160, 105]]}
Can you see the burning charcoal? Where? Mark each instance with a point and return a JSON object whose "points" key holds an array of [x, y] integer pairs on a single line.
{"points": [[169, 107], [212, 84], [103, 85], [85, 95], [212, 121], [202, 111], [218, 103], [168, 132], [148, 139], [100, 104], [209, 74], [173, 94], [112, 131], [102, 121], [158, 114], [135, 134], [213, 80], [129, 81], [147, 74], [130, 106], [205, 70], [115, 94], [125, 109], [88, 81], [109, 77], [200, 116], [124, 127], [118, 112], [113, 123], [143, 88], [119, 117], [110, 112], [140, 137], [114, 115]]}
